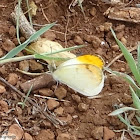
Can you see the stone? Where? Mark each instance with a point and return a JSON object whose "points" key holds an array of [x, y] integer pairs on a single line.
{"points": [[115, 47], [76, 98], [49, 35], [24, 65], [93, 11], [46, 92], [108, 134], [82, 107], [63, 136], [16, 132], [107, 26], [45, 135], [34, 66], [60, 93], [2, 89], [97, 133], [27, 136], [3, 106], [13, 78], [8, 45], [78, 40], [12, 31], [59, 111], [52, 104]]}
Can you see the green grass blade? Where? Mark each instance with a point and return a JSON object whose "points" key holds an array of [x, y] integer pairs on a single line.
{"points": [[129, 58], [19, 48], [138, 56], [136, 100], [121, 110]]}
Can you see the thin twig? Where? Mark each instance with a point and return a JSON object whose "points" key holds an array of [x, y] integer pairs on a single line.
{"points": [[51, 118], [119, 56]]}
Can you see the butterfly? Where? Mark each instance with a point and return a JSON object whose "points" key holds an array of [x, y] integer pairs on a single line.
{"points": [[83, 74]]}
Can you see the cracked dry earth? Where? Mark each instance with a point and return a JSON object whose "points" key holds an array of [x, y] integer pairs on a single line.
{"points": [[87, 119]]}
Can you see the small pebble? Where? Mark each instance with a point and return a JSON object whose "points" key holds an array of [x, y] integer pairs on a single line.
{"points": [[97, 133], [78, 40], [46, 92], [93, 11], [101, 28], [59, 111], [76, 98], [60, 93], [107, 26], [3, 106], [88, 38], [115, 47], [27, 136], [52, 104], [24, 65], [8, 45], [69, 110], [18, 111], [15, 41], [45, 135], [49, 35], [119, 28], [123, 40], [67, 119], [82, 107], [63, 136], [108, 134], [16, 131], [22, 39], [122, 69], [34, 66], [120, 34], [96, 41], [2, 89], [12, 31], [13, 78]]}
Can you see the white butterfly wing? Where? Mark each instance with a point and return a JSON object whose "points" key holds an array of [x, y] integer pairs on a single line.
{"points": [[85, 79]]}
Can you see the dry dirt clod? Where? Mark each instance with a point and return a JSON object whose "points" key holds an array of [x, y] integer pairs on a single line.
{"points": [[2, 89], [18, 111], [59, 111], [120, 34], [13, 78], [120, 28], [67, 119], [101, 28], [76, 98], [63, 136], [46, 92], [107, 26], [82, 107], [97, 133], [96, 41], [8, 45], [108, 134], [3, 106], [69, 110], [115, 47], [52, 104], [78, 40], [24, 65], [27, 136], [12, 31], [60, 93], [22, 39], [49, 35], [34, 66], [15, 131], [45, 135], [123, 40], [93, 11]]}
